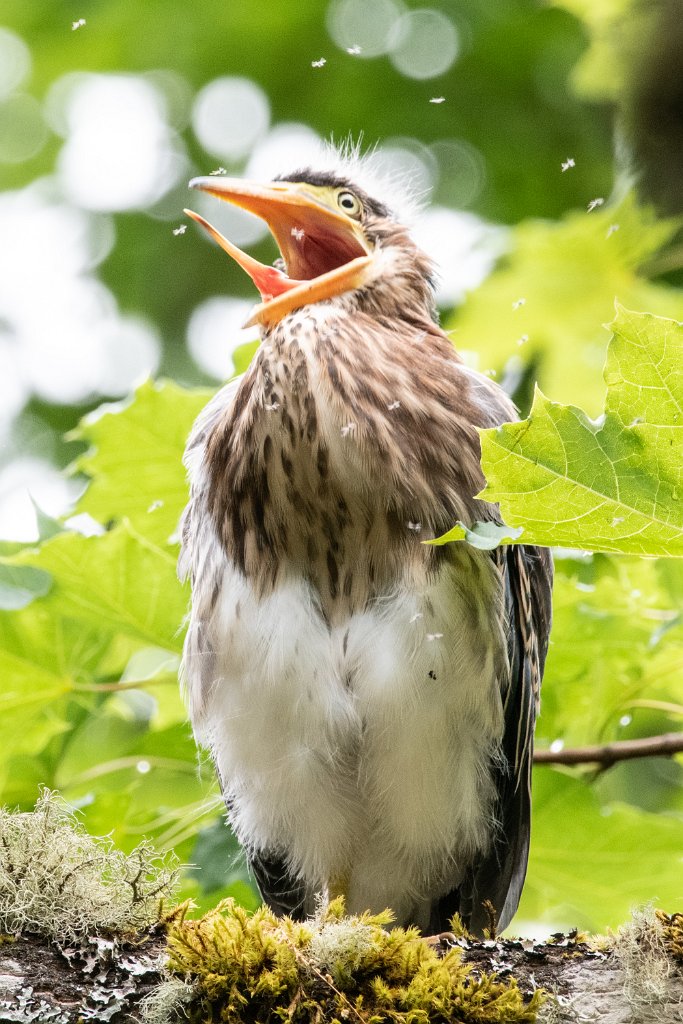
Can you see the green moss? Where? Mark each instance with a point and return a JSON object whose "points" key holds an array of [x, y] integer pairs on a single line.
{"points": [[672, 926], [265, 969]]}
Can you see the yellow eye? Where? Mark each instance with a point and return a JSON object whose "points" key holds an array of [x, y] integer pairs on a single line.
{"points": [[350, 204]]}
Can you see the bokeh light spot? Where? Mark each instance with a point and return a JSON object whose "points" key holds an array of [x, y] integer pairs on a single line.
{"points": [[29, 480], [288, 146], [464, 249], [369, 29], [229, 116], [22, 130], [408, 162], [215, 331], [120, 153], [461, 172], [427, 44], [15, 62]]}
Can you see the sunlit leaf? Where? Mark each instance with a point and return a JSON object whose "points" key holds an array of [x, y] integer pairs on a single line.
{"points": [[135, 458], [591, 864], [549, 298], [120, 582], [612, 484], [21, 584], [616, 640]]}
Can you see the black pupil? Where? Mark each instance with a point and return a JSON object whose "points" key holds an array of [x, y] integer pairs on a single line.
{"points": [[347, 201]]}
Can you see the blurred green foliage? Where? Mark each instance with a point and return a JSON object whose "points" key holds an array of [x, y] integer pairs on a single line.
{"points": [[91, 627]]}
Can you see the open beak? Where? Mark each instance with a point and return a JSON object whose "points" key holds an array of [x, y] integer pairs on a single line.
{"points": [[325, 252]]}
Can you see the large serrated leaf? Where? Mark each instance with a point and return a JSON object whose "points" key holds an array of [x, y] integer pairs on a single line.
{"points": [[612, 484], [120, 583], [135, 458]]}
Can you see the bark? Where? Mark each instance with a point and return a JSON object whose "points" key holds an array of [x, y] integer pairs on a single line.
{"points": [[106, 979], [101, 980]]}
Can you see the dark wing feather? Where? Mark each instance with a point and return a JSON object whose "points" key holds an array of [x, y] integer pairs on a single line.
{"points": [[279, 889], [527, 574]]}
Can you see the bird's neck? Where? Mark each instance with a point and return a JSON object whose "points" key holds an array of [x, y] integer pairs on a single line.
{"points": [[351, 440]]}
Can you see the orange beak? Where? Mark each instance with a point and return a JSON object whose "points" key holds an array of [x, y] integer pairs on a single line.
{"points": [[325, 251]]}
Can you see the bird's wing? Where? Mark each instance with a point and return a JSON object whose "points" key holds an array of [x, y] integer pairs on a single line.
{"points": [[195, 451], [527, 575], [282, 892]]}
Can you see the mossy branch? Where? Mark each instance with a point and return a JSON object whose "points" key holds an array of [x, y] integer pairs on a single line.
{"points": [[75, 911]]}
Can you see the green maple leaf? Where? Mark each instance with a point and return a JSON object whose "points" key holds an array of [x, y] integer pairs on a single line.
{"points": [[612, 484], [135, 458]]}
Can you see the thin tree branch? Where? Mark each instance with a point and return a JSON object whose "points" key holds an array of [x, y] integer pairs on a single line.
{"points": [[621, 750]]}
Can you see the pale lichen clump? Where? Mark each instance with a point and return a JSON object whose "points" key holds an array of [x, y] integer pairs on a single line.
{"points": [[262, 968], [59, 882], [641, 949]]}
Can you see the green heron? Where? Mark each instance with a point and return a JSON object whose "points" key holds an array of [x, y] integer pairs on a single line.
{"points": [[368, 699]]}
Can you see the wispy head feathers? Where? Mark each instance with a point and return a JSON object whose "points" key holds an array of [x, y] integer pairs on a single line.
{"points": [[370, 170]]}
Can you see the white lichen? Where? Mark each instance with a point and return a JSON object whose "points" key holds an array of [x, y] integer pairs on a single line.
{"points": [[58, 881], [167, 1002], [641, 951], [340, 947]]}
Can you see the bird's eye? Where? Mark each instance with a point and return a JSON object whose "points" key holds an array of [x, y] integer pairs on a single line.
{"points": [[349, 203]]}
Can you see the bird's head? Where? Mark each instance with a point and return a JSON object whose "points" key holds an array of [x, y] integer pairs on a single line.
{"points": [[335, 241]]}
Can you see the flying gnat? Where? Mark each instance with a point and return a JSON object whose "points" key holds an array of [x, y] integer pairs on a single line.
{"points": [[518, 303], [569, 162], [77, 24], [219, 170], [180, 230], [594, 203], [611, 229], [319, 63], [438, 99], [353, 50]]}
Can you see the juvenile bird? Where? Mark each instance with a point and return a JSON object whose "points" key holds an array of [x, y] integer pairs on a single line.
{"points": [[368, 699]]}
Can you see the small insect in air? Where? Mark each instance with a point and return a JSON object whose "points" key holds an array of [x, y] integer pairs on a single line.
{"points": [[180, 230], [319, 63], [594, 203], [569, 162], [438, 99], [77, 24]]}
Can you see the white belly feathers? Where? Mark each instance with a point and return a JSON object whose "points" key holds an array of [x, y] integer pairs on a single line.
{"points": [[360, 752]]}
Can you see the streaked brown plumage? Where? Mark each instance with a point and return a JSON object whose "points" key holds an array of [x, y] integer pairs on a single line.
{"points": [[369, 699]]}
